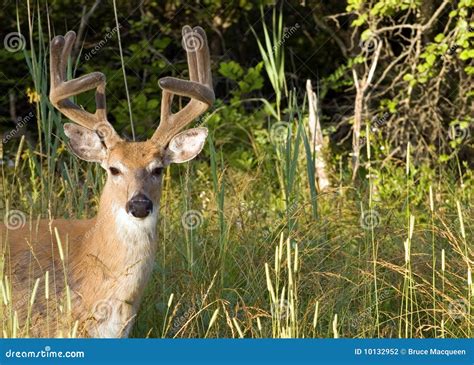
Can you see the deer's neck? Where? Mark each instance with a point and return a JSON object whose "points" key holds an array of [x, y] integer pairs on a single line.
{"points": [[129, 249], [117, 261], [115, 227]]}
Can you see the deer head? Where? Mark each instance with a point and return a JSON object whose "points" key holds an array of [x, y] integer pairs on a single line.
{"points": [[134, 168]]}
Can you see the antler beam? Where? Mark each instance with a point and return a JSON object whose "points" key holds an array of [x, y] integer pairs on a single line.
{"points": [[62, 89], [198, 87]]}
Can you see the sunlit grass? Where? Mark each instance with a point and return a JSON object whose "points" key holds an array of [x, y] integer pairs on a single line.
{"points": [[226, 294]]}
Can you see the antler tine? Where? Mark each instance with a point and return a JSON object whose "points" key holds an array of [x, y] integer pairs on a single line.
{"points": [[61, 90], [198, 87]]}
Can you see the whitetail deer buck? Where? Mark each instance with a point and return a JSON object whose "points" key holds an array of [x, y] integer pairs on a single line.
{"points": [[109, 259]]}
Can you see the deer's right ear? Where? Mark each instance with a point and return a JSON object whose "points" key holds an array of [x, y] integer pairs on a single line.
{"points": [[85, 143]]}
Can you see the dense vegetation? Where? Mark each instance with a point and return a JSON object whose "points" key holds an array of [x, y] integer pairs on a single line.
{"points": [[251, 244]]}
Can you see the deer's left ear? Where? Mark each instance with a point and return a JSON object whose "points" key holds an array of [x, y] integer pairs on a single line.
{"points": [[185, 145]]}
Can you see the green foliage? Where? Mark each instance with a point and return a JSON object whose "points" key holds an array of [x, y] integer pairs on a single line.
{"points": [[247, 81], [390, 7], [273, 55]]}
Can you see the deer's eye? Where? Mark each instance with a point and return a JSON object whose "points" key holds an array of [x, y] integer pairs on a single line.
{"points": [[114, 171], [157, 171]]}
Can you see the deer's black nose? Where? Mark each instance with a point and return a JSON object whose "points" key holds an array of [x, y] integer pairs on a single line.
{"points": [[139, 206]]}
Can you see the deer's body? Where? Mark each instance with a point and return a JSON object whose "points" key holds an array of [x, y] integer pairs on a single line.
{"points": [[106, 280], [107, 260]]}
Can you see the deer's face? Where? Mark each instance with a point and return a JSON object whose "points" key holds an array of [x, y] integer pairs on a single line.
{"points": [[135, 169]]}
